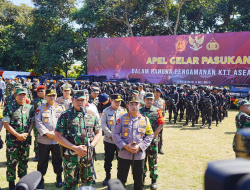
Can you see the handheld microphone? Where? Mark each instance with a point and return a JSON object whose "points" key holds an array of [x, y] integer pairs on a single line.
{"points": [[115, 184], [29, 181], [82, 110]]}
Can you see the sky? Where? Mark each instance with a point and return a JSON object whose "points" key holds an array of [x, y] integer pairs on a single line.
{"points": [[27, 2], [30, 3]]}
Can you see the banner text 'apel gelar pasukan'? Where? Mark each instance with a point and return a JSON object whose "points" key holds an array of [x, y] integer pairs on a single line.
{"points": [[213, 59]]}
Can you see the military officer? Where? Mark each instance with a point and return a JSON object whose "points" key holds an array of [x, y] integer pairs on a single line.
{"points": [[242, 119], [74, 131], [156, 120], [34, 86], [9, 100], [132, 135], [18, 119], [66, 99], [46, 119], [108, 120], [36, 102], [160, 104], [9, 87], [94, 93]]}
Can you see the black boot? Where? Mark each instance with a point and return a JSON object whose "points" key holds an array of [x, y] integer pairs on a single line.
{"points": [[36, 158], [105, 182], [154, 184], [160, 151], [59, 181], [41, 184], [11, 185]]}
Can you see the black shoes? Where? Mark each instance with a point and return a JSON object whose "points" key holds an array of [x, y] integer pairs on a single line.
{"points": [[105, 182], [59, 181], [41, 184], [153, 185], [36, 158], [160, 151], [11, 185]]}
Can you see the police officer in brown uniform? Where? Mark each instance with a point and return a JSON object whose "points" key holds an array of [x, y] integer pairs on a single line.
{"points": [[132, 135]]}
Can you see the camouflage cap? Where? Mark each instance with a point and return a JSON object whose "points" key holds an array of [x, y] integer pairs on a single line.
{"points": [[95, 89], [136, 92], [242, 102], [79, 94], [18, 85], [86, 92], [21, 91], [133, 99], [149, 95]]}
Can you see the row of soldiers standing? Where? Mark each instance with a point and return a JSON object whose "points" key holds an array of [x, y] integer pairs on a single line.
{"points": [[20, 117]]}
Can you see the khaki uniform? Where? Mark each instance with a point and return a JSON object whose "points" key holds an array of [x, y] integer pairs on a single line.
{"points": [[108, 121], [67, 103], [46, 119]]}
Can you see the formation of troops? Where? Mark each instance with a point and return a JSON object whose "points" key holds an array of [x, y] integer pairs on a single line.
{"points": [[67, 120]]}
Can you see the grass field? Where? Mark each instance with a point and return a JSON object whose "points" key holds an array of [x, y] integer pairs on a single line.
{"points": [[187, 152]]}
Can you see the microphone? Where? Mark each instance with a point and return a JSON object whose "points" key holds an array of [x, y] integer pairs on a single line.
{"points": [[82, 110], [29, 181], [115, 184], [86, 188]]}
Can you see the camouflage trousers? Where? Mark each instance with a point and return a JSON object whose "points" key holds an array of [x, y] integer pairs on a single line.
{"points": [[73, 170], [35, 140], [151, 158], [18, 154]]}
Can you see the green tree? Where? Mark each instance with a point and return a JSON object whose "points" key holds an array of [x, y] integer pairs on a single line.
{"points": [[15, 52], [52, 34]]}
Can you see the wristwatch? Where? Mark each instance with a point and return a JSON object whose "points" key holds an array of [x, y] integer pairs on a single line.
{"points": [[92, 146], [29, 132]]}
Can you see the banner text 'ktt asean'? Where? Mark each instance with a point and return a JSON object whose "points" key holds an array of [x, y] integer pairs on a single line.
{"points": [[213, 59]]}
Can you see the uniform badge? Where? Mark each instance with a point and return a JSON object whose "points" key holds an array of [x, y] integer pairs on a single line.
{"points": [[141, 134], [61, 100], [37, 111], [110, 122], [125, 134], [125, 123], [46, 120], [118, 121]]}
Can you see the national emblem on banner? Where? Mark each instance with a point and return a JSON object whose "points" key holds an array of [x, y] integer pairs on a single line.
{"points": [[212, 45], [196, 42], [180, 45]]}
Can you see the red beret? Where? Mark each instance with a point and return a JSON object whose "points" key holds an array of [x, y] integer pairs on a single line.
{"points": [[41, 87]]}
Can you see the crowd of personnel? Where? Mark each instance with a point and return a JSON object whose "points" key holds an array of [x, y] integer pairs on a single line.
{"points": [[66, 119]]}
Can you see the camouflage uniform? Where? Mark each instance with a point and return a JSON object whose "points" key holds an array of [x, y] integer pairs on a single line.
{"points": [[94, 101], [17, 152], [72, 125], [36, 103], [152, 151], [242, 120], [10, 100], [9, 89]]}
